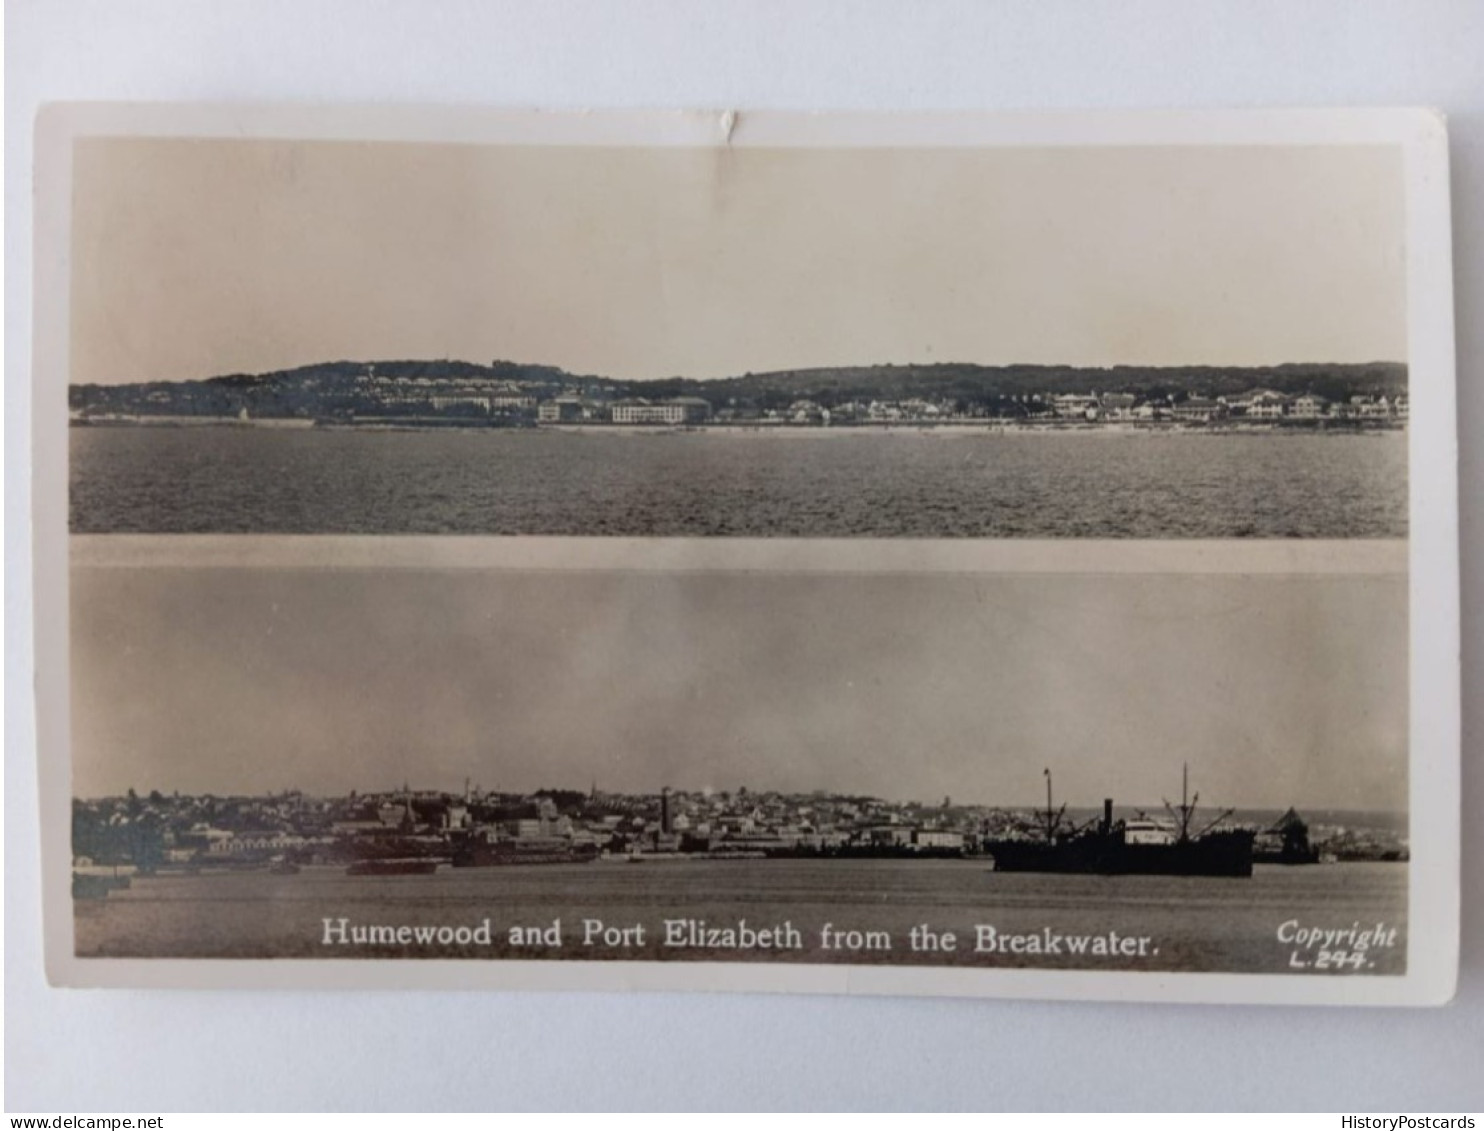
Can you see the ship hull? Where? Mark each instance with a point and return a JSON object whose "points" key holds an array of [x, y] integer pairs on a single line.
{"points": [[393, 868], [1217, 854], [1287, 856], [485, 857]]}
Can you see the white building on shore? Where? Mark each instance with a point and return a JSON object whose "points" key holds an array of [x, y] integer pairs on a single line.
{"points": [[679, 410]]}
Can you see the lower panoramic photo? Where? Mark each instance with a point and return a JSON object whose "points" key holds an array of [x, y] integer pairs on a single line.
{"points": [[1104, 771]]}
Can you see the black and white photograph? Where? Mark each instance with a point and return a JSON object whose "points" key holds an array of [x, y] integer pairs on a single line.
{"points": [[750, 551], [1194, 342]]}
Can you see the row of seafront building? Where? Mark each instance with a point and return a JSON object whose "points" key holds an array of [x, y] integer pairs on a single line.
{"points": [[575, 408], [157, 831], [1257, 404]]}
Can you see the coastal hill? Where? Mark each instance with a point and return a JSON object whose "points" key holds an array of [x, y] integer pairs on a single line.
{"points": [[982, 383], [331, 388]]}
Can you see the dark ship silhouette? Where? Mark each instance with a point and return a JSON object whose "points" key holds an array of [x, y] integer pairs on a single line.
{"points": [[481, 854], [1129, 847]]}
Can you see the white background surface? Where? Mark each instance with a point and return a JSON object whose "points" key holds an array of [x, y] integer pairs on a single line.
{"points": [[81, 1051]]}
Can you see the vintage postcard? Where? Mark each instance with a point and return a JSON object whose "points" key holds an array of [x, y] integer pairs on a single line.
{"points": [[918, 554]]}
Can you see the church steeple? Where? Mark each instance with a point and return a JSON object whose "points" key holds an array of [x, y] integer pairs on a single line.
{"points": [[409, 818]]}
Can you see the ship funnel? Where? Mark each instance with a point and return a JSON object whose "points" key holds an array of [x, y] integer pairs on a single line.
{"points": [[1107, 815]]}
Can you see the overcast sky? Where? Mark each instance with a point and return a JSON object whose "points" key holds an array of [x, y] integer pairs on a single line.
{"points": [[196, 258], [1277, 690]]}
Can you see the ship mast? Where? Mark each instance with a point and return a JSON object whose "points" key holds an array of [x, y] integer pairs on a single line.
{"points": [[1188, 806], [1187, 803], [1053, 816]]}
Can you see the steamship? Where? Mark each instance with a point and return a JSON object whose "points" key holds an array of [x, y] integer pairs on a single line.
{"points": [[1129, 847]]}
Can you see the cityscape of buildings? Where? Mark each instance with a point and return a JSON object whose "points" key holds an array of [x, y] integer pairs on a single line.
{"points": [[155, 831], [1258, 405]]}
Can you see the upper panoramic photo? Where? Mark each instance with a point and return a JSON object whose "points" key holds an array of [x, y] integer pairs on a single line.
{"points": [[322, 337]]}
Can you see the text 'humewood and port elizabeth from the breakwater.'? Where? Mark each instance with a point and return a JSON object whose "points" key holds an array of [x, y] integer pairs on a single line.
{"points": [[592, 934]]}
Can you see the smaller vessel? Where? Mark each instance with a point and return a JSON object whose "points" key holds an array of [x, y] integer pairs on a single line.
{"points": [[503, 853], [283, 867], [410, 867], [659, 857], [91, 885]]}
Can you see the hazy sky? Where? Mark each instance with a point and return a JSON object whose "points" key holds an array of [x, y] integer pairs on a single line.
{"points": [[1277, 690], [194, 258]]}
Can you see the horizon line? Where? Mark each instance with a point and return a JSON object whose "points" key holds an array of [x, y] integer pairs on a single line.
{"points": [[1005, 365], [655, 794]]}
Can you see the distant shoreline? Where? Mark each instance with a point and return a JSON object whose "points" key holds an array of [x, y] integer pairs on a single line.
{"points": [[951, 428]]}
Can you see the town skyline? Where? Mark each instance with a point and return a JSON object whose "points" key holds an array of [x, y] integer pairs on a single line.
{"points": [[512, 394], [734, 793], [471, 829]]}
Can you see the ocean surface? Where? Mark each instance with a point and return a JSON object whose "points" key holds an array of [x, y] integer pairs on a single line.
{"points": [[801, 483], [1194, 923]]}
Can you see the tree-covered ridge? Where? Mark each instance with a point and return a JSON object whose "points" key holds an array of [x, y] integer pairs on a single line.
{"points": [[341, 387]]}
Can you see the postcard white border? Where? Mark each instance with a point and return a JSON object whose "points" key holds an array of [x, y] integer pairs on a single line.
{"points": [[1433, 921]]}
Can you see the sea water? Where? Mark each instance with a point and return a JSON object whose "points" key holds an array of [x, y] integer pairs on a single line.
{"points": [[797, 483], [1192, 923]]}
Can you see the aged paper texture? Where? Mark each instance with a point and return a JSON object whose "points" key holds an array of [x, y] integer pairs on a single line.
{"points": [[953, 554]]}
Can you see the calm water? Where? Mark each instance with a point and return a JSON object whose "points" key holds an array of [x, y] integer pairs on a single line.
{"points": [[896, 484], [1196, 924]]}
